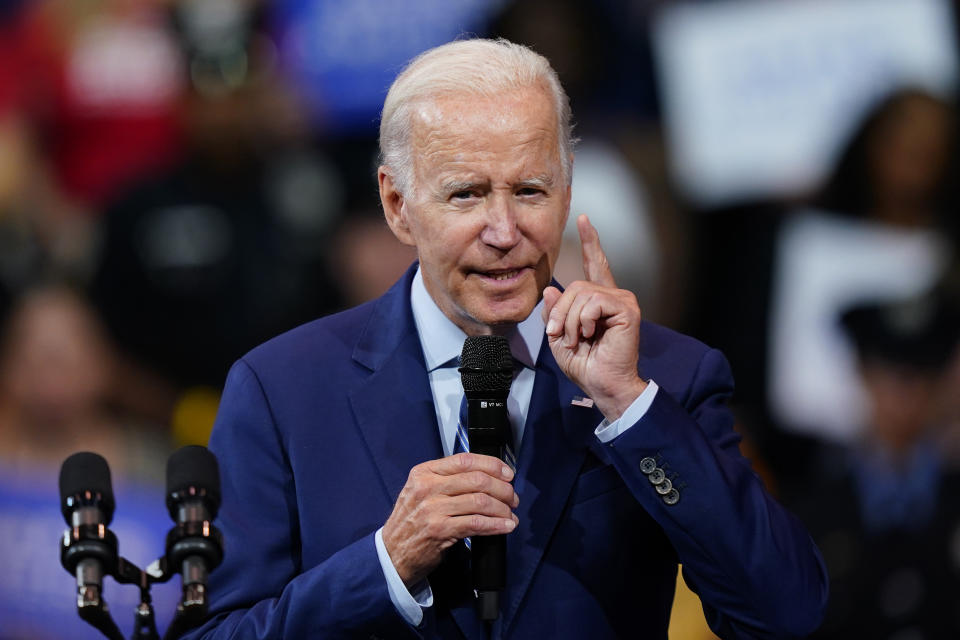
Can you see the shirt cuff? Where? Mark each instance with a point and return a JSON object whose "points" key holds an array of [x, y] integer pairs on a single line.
{"points": [[607, 431], [409, 605]]}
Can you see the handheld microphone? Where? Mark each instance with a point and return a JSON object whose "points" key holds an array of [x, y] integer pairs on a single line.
{"points": [[486, 371], [88, 549], [194, 546]]}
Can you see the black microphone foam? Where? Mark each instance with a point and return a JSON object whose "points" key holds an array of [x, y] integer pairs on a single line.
{"points": [[193, 471], [486, 364], [86, 474]]}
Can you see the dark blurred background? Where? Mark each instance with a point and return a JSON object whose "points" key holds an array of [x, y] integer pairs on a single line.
{"points": [[182, 179]]}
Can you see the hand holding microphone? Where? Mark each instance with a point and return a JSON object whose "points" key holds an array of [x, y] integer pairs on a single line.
{"points": [[462, 495]]}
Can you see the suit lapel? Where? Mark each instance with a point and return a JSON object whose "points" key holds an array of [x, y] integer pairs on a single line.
{"points": [[555, 442], [395, 414], [394, 406]]}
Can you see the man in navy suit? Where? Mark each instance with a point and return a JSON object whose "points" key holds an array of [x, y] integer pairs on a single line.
{"points": [[344, 506]]}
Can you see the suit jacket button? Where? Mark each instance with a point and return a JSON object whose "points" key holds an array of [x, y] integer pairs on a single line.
{"points": [[672, 497], [647, 465], [664, 487], [657, 476]]}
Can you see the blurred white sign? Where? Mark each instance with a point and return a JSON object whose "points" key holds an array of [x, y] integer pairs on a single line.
{"points": [[759, 94], [826, 265]]}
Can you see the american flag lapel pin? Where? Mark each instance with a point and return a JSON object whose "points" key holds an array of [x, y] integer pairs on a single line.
{"points": [[579, 401]]}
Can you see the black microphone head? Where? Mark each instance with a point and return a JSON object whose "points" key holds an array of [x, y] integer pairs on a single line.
{"points": [[85, 481], [192, 471], [486, 364]]}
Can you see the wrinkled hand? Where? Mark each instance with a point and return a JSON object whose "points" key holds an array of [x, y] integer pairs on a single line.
{"points": [[593, 329], [443, 501]]}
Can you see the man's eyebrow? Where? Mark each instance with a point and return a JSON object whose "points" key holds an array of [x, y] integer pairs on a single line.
{"points": [[454, 186], [542, 181]]}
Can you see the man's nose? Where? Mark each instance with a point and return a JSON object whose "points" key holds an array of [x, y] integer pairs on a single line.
{"points": [[501, 229]]}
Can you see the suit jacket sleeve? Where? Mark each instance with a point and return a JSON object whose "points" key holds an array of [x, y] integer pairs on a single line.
{"points": [[260, 591], [752, 562]]}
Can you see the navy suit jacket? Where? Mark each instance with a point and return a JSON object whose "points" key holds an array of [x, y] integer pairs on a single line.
{"points": [[319, 428]]}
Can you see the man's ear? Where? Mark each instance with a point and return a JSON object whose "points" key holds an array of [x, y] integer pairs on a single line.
{"points": [[395, 208]]}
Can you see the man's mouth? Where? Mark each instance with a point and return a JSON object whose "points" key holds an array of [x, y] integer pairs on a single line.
{"points": [[502, 275]]}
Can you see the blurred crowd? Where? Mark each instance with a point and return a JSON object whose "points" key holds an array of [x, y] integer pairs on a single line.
{"points": [[182, 179]]}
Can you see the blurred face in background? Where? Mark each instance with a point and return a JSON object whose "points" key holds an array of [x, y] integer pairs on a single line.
{"points": [[238, 108], [904, 402], [487, 207], [55, 360], [910, 150]]}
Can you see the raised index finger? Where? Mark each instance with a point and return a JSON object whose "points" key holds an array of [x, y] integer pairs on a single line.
{"points": [[595, 266], [463, 462]]}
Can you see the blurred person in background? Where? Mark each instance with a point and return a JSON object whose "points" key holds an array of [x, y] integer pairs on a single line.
{"points": [[882, 227], [55, 378], [896, 168], [883, 510], [89, 96], [41, 233], [202, 262], [108, 93], [44, 232]]}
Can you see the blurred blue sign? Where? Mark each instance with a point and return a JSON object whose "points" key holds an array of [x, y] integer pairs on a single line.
{"points": [[342, 56]]}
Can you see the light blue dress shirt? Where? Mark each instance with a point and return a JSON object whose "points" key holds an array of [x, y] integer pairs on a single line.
{"points": [[441, 352]]}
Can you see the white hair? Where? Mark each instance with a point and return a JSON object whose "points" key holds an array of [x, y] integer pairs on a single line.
{"points": [[473, 67]]}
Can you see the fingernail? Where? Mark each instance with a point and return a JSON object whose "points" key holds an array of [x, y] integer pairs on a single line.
{"points": [[510, 525], [506, 472], [516, 500], [552, 326], [515, 518]]}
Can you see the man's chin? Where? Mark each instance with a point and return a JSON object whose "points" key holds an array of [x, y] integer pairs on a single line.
{"points": [[505, 314]]}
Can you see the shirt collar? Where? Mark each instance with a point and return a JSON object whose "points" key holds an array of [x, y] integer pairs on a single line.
{"points": [[446, 338]]}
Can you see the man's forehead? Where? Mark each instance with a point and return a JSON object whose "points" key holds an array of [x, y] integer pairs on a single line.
{"points": [[450, 130], [450, 110]]}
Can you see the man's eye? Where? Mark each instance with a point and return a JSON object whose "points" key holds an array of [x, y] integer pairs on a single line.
{"points": [[463, 195], [529, 191]]}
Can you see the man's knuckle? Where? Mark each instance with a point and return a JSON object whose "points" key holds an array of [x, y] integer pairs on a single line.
{"points": [[481, 501], [420, 488], [429, 504], [433, 527], [478, 480]]}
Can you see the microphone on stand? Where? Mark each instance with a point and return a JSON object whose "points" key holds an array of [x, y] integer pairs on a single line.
{"points": [[88, 549], [194, 546], [486, 371]]}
